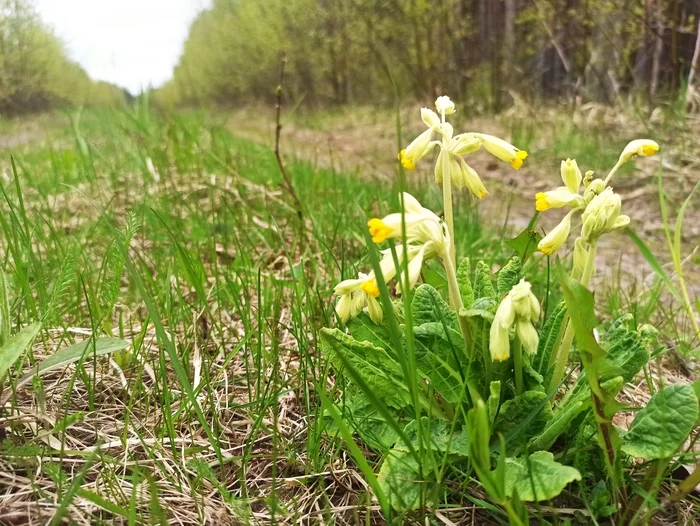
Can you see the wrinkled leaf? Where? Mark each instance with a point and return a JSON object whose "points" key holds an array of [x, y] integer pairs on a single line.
{"points": [[429, 306], [625, 349], [549, 337], [483, 286], [523, 417], [538, 477], [662, 427], [438, 436], [558, 425], [465, 284], [440, 356], [508, 276], [400, 480], [364, 329], [375, 366]]}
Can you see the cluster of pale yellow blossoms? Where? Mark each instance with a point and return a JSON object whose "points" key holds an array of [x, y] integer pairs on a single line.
{"points": [[599, 205], [453, 148], [520, 308], [426, 237]]}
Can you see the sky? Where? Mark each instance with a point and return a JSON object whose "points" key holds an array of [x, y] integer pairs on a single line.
{"points": [[131, 43]]}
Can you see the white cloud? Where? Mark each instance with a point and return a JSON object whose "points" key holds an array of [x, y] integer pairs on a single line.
{"points": [[132, 43]]}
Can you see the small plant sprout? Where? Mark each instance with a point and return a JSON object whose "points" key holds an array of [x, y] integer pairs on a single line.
{"points": [[450, 168]]}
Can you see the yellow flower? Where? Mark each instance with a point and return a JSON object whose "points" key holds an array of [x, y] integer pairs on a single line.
{"points": [[558, 198], [553, 241], [378, 230], [370, 288], [644, 147], [503, 150]]}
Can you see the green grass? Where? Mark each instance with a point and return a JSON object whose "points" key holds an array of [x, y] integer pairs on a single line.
{"points": [[216, 409]]}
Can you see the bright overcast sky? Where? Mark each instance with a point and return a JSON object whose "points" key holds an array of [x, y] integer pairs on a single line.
{"points": [[132, 43]]}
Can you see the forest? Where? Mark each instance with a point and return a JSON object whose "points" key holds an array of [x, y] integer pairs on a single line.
{"points": [[362, 51], [35, 72]]}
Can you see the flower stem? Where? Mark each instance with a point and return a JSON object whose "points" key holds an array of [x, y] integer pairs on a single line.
{"points": [[518, 365], [447, 195], [562, 356]]}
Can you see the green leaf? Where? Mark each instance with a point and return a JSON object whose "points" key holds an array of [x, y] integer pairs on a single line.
{"points": [[558, 425], [662, 427], [525, 243], [523, 417], [400, 480], [363, 329], [71, 354], [365, 420], [428, 306], [440, 356], [538, 477], [508, 276], [654, 263], [625, 349], [376, 367], [549, 337], [16, 346], [465, 284], [581, 309], [440, 437], [483, 286]]}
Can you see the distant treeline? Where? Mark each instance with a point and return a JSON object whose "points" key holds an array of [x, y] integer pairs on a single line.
{"points": [[35, 73], [343, 51]]}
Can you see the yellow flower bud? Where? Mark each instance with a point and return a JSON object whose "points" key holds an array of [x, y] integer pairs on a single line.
{"points": [[444, 105], [556, 238], [571, 175], [469, 178], [429, 117], [601, 215], [527, 335], [593, 189], [580, 256], [645, 147]]}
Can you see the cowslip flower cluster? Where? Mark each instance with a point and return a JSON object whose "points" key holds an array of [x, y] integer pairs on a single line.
{"points": [[599, 205], [520, 308], [426, 237], [453, 148]]}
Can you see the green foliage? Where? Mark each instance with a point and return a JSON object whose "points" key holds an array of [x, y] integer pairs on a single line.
{"points": [[523, 417], [400, 479], [15, 348], [663, 425], [538, 477], [509, 275], [465, 283], [35, 72], [483, 286]]}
